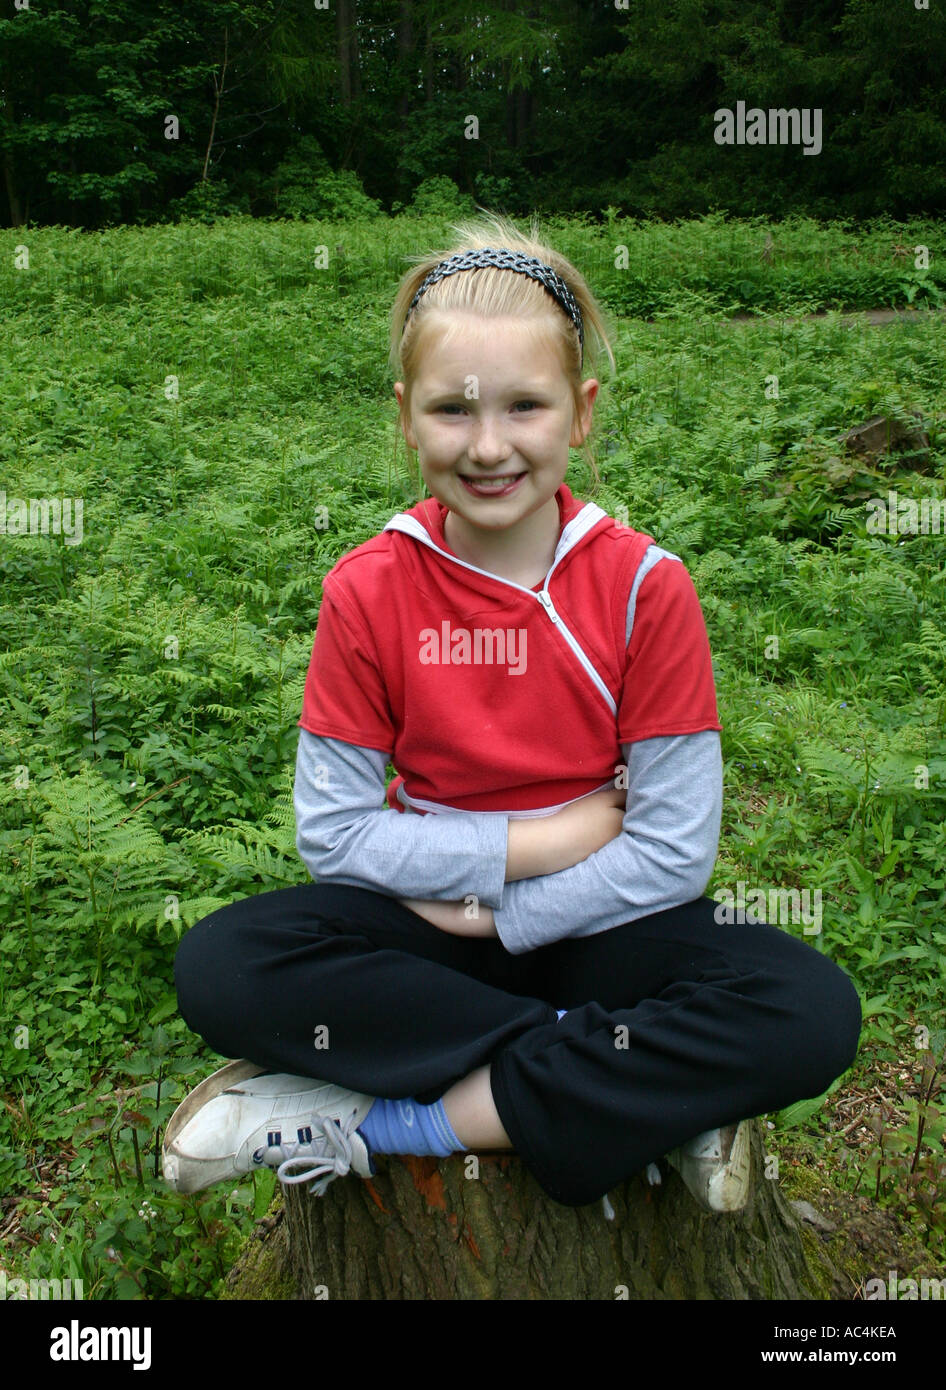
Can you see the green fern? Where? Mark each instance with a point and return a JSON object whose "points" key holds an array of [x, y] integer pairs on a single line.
{"points": [[879, 773], [928, 654], [242, 853], [112, 865]]}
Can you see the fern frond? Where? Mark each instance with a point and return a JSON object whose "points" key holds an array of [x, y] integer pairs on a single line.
{"points": [[242, 850], [225, 712]]}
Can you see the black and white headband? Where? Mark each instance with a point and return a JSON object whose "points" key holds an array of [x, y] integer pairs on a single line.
{"points": [[508, 260]]}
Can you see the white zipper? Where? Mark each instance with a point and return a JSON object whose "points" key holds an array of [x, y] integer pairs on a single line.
{"points": [[411, 526], [545, 598]]}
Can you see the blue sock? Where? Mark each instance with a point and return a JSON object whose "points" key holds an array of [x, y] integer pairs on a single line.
{"points": [[404, 1127]]}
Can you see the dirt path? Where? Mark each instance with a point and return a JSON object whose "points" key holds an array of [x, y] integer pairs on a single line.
{"points": [[872, 316]]}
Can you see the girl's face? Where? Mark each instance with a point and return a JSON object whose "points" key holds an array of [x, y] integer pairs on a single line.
{"points": [[491, 419]]}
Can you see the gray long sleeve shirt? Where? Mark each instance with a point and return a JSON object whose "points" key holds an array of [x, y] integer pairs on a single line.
{"points": [[663, 857]]}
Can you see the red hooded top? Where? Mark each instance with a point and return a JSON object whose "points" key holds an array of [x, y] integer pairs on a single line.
{"points": [[488, 696]]}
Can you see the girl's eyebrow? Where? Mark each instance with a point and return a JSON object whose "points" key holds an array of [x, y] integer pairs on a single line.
{"points": [[518, 390]]}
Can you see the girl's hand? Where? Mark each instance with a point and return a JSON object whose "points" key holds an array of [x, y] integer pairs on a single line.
{"points": [[589, 824], [548, 844], [452, 917]]}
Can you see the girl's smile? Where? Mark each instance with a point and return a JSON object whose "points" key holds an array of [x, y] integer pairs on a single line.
{"points": [[492, 486]]}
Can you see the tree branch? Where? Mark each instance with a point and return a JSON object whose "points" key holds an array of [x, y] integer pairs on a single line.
{"points": [[218, 90]]}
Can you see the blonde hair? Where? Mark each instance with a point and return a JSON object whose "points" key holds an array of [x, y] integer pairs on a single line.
{"points": [[494, 291]]}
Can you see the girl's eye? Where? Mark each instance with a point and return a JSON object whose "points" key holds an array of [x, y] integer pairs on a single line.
{"points": [[440, 408]]}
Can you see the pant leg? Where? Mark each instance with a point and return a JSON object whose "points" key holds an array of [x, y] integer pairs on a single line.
{"points": [[406, 1009], [676, 1025]]}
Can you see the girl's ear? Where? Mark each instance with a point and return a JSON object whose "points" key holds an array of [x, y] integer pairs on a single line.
{"points": [[582, 423], [406, 430]]}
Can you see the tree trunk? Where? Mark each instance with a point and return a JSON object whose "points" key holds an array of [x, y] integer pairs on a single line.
{"points": [[354, 53], [343, 22], [218, 93], [510, 107], [428, 61], [9, 178], [523, 116], [405, 61], [16, 212], [480, 1227]]}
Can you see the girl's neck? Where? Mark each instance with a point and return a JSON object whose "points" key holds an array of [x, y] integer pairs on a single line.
{"points": [[523, 556]]}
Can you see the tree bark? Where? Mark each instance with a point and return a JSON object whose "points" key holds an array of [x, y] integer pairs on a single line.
{"points": [[480, 1227]]}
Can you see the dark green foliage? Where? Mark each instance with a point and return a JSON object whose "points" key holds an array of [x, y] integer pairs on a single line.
{"points": [[578, 107]]}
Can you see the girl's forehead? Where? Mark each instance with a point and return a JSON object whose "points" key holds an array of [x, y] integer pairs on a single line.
{"points": [[457, 332], [471, 322]]}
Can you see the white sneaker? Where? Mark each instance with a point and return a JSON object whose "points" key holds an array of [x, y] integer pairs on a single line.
{"points": [[716, 1167], [243, 1118]]}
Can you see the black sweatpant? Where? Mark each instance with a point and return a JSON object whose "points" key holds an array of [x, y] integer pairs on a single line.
{"points": [[676, 1024]]}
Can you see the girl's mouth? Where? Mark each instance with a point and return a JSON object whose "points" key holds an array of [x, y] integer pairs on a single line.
{"points": [[500, 486]]}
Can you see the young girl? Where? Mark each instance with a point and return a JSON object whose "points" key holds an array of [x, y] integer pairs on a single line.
{"points": [[516, 952]]}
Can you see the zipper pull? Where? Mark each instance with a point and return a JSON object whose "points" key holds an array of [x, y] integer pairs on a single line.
{"points": [[545, 599]]}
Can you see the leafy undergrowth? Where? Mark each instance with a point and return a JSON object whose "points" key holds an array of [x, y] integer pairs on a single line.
{"points": [[228, 420], [871, 1160]]}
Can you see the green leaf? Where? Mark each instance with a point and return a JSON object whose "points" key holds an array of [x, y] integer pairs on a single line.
{"points": [[264, 1184], [888, 956], [164, 1010], [801, 1111], [859, 875], [888, 865]]}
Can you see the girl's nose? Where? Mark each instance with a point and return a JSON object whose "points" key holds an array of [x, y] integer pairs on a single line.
{"points": [[487, 443]]}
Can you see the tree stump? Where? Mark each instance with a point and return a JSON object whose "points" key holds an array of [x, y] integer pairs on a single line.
{"points": [[478, 1226], [883, 434]]}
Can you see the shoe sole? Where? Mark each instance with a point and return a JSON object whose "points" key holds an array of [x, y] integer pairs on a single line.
{"points": [[214, 1085], [726, 1189], [729, 1190]]}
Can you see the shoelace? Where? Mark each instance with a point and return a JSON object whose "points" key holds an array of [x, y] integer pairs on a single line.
{"points": [[316, 1157]]}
